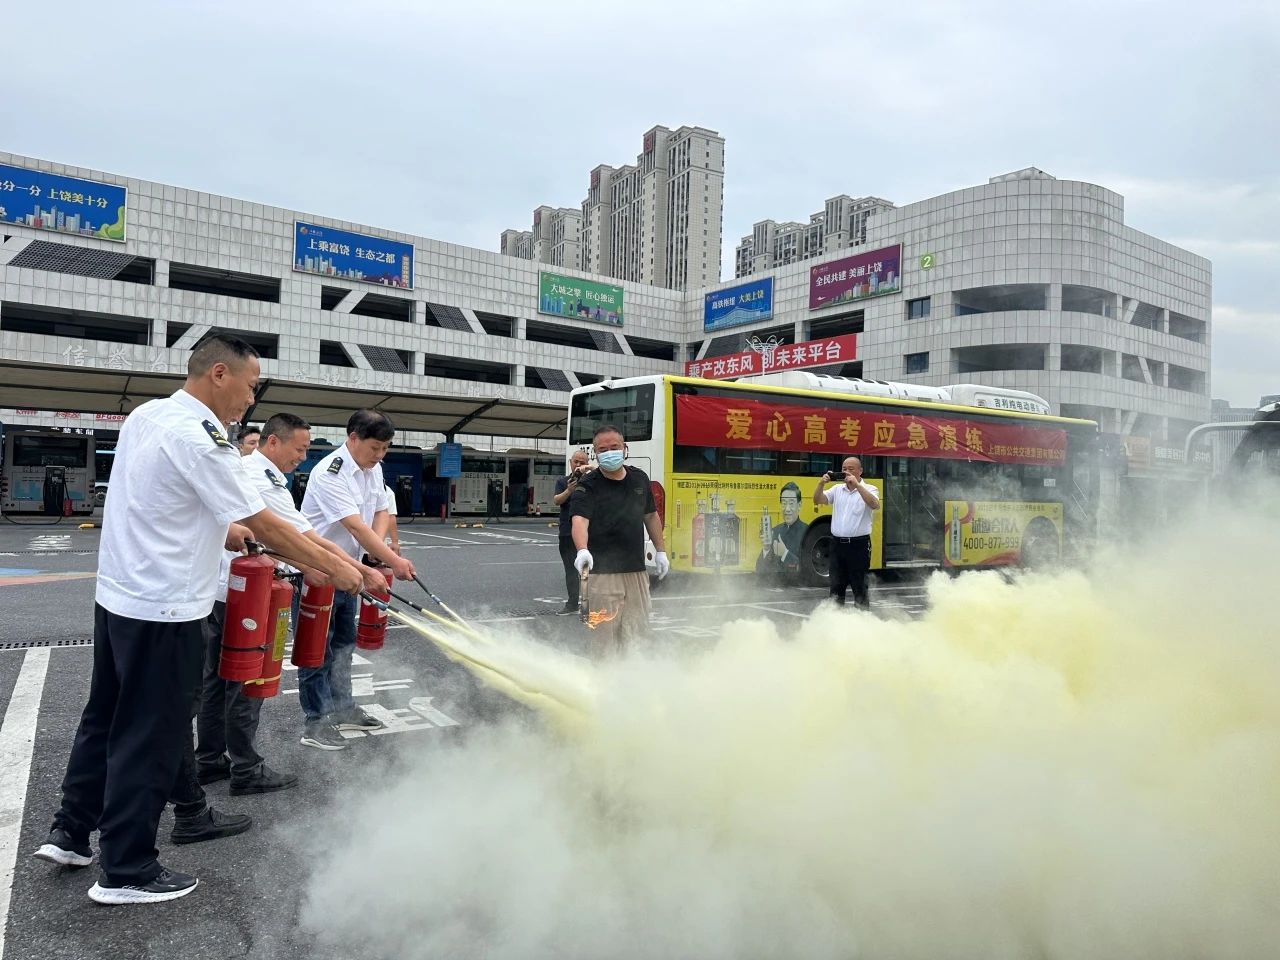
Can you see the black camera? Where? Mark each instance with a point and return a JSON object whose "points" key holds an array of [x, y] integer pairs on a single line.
{"points": [[837, 474]]}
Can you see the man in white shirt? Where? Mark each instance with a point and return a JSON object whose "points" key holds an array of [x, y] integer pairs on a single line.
{"points": [[176, 486], [228, 721], [346, 503], [853, 503]]}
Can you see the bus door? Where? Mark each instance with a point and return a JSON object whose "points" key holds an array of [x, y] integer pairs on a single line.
{"points": [[912, 510], [517, 486]]}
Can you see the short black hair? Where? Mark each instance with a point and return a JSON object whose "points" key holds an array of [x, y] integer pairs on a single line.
{"points": [[218, 348], [790, 485], [282, 426], [371, 425], [607, 428], [248, 431]]}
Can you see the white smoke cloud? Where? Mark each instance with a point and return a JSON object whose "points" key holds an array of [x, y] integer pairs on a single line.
{"points": [[1070, 765]]}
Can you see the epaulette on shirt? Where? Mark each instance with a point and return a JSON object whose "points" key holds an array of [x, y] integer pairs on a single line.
{"points": [[273, 477], [336, 465], [214, 433]]}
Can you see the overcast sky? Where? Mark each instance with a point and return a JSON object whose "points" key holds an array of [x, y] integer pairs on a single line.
{"points": [[455, 123]]}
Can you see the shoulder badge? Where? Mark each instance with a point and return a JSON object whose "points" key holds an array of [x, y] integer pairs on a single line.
{"points": [[336, 465], [215, 434], [273, 477]]}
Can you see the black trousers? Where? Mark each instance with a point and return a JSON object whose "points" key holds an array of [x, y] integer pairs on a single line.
{"points": [[127, 750], [850, 560], [569, 553], [227, 722]]}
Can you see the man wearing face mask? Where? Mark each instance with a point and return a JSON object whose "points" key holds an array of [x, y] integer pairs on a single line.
{"points": [[612, 508]]}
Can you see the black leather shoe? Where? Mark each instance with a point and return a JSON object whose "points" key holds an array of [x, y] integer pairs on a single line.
{"points": [[212, 774], [210, 825], [263, 780]]}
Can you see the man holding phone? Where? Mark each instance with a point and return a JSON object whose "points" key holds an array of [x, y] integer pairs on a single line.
{"points": [[579, 464], [852, 504]]}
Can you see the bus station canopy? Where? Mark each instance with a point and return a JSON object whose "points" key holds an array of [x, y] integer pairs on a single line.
{"points": [[57, 388]]}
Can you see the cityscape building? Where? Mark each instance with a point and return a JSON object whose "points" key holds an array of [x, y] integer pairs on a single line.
{"points": [[1026, 282], [842, 223], [658, 221]]}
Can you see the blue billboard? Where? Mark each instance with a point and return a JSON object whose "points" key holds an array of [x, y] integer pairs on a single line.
{"points": [[745, 303], [448, 460], [331, 252], [48, 201]]}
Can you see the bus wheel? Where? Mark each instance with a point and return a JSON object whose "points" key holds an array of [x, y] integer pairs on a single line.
{"points": [[1040, 546], [815, 556]]}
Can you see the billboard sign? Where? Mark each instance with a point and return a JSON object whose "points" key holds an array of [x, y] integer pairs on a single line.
{"points": [[448, 460], [783, 356], [331, 252], [735, 306], [864, 275], [585, 299], [48, 201]]}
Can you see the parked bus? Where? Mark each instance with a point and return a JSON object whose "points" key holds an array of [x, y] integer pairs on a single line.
{"points": [[1239, 451], [46, 470], [521, 481], [968, 476]]}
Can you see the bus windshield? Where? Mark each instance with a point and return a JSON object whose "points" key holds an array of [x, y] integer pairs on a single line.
{"points": [[628, 408]]}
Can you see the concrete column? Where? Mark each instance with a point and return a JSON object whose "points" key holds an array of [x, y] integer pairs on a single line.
{"points": [[159, 332], [519, 375], [1055, 298], [420, 314], [521, 327], [162, 273], [799, 331], [1162, 322], [1054, 360]]}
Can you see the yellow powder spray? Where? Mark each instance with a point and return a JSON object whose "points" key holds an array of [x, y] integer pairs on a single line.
{"points": [[1078, 765]]}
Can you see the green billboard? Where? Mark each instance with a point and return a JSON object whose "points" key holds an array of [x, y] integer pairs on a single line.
{"points": [[585, 299]]}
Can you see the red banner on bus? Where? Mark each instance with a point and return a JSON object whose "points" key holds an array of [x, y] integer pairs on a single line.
{"points": [[784, 356], [760, 425]]}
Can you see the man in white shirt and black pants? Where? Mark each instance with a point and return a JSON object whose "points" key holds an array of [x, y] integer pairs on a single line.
{"points": [[853, 503], [344, 500], [177, 485]]}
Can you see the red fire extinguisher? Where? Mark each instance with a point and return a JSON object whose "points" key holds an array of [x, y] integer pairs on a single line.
{"points": [[268, 682], [312, 634], [371, 629], [244, 630]]}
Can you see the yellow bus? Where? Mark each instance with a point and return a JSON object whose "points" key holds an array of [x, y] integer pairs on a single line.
{"points": [[969, 476]]}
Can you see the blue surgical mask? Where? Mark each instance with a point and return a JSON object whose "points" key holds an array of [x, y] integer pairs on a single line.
{"points": [[610, 459]]}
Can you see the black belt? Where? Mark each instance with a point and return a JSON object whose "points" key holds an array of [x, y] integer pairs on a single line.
{"points": [[851, 539]]}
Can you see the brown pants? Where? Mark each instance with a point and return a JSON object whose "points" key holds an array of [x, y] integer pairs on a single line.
{"points": [[626, 594]]}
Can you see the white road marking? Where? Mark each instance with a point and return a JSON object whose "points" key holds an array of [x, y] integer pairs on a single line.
{"points": [[503, 619], [441, 536], [514, 563], [17, 741]]}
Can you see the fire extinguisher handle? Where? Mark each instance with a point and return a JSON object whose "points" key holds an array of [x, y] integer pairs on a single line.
{"points": [[254, 549], [367, 597]]}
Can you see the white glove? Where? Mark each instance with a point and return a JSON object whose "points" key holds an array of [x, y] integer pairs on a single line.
{"points": [[664, 565], [584, 562]]}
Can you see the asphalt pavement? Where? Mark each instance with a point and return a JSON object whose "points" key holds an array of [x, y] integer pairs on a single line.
{"points": [[500, 576]]}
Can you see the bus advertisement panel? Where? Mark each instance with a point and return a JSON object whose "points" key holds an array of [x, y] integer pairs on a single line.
{"points": [[744, 523], [988, 533], [757, 424]]}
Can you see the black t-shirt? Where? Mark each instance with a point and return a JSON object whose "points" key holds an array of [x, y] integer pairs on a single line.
{"points": [[616, 509], [566, 514]]}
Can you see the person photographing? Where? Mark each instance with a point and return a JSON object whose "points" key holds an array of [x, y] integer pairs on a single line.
{"points": [[853, 504], [566, 486]]}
